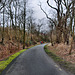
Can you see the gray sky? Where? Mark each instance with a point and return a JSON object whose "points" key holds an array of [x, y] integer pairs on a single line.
{"points": [[38, 13]]}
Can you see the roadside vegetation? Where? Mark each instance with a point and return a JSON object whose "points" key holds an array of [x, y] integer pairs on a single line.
{"points": [[5, 62], [19, 29], [62, 32], [67, 65], [62, 22]]}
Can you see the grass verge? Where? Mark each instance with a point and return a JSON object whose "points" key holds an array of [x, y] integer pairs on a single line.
{"points": [[7, 61], [64, 64]]}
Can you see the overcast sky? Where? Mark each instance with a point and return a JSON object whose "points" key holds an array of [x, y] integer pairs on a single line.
{"points": [[38, 13]]}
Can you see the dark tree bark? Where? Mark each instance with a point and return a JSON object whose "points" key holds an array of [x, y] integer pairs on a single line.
{"points": [[3, 26], [73, 13], [0, 0], [24, 25]]}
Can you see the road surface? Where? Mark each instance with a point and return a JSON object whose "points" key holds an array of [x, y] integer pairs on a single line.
{"points": [[34, 61]]}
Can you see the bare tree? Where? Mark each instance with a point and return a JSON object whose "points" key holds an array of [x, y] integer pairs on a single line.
{"points": [[73, 15], [59, 9], [24, 24]]}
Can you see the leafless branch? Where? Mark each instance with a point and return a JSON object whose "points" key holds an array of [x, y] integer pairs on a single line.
{"points": [[51, 6], [55, 1], [47, 15]]}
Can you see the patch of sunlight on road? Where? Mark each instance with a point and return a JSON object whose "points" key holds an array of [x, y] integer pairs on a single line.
{"points": [[58, 67]]}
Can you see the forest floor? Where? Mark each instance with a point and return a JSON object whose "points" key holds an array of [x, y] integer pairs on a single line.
{"points": [[62, 51], [9, 49], [9, 53], [5, 51]]}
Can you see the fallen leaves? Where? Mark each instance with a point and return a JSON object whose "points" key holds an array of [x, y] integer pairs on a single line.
{"points": [[62, 50]]}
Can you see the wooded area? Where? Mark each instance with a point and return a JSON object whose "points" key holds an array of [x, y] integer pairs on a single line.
{"points": [[18, 28], [62, 25]]}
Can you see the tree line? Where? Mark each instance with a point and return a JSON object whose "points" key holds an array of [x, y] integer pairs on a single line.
{"points": [[18, 25], [64, 22]]}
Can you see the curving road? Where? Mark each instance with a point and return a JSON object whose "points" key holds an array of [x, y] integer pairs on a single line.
{"points": [[34, 61]]}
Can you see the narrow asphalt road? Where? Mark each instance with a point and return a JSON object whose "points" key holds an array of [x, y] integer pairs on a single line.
{"points": [[34, 61]]}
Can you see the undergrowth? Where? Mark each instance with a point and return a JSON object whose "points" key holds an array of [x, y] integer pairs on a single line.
{"points": [[5, 62], [64, 64]]}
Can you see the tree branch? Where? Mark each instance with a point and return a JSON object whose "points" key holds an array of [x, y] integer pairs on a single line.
{"points": [[55, 1], [47, 15], [51, 6], [3, 5]]}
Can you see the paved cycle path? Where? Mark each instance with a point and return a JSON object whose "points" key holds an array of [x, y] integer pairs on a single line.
{"points": [[34, 61]]}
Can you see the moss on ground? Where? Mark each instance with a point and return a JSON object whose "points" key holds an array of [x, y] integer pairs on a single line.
{"points": [[7, 61], [56, 58], [64, 64]]}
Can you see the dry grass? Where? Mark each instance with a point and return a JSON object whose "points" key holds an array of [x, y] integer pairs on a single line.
{"points": [[8, 49], [63, 51]]}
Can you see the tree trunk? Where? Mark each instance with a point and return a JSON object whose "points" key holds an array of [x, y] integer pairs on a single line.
{"points": [[3, 28], [24, 25], [71, 42], [73, 27]]}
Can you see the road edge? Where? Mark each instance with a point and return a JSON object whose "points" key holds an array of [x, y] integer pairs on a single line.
{"points": [[62, 63], [13, 59]]}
